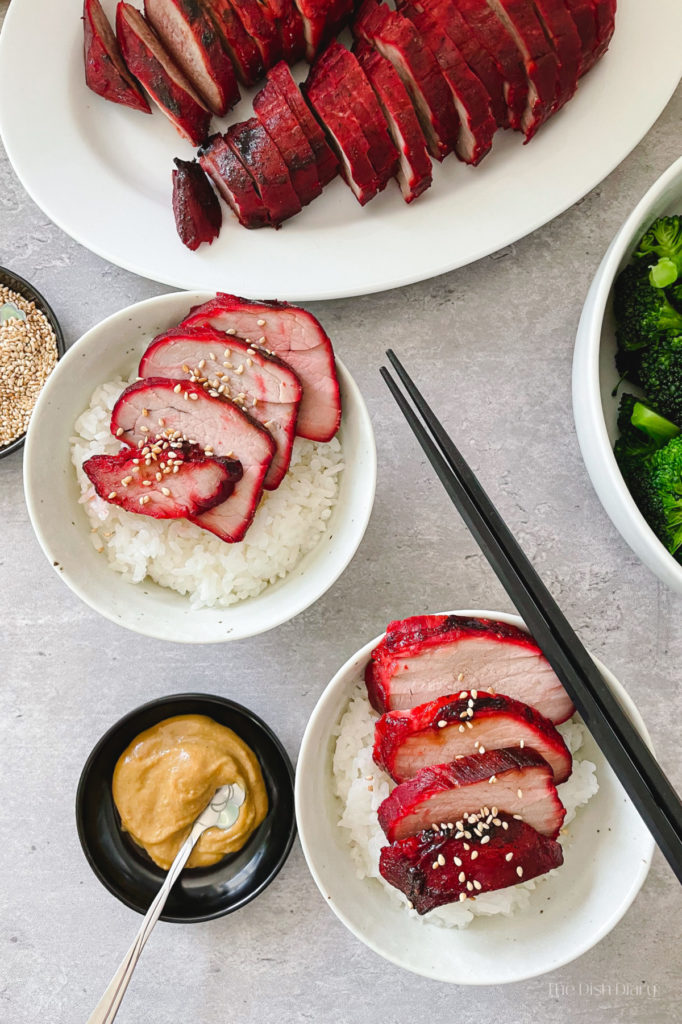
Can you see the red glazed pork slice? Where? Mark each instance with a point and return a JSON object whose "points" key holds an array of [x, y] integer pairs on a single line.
{"points": [[240, 47], [397, 39], [414, 167], [260, 26], [162, 78], [605, 19], [476, 122], [229, 367], [261, 158], [429, 656], [105, 70], [166, 484], [195, 205], [298, 339], [217, 425], [433, 868], [451, 727], [321, 21], [290, 24], [233, 182], [274, 114], [342, 67], [560, 29], [327, 164], [538, 58], [582, 14], [491, 34], [324, 92], [190, 37], [513, 781]]}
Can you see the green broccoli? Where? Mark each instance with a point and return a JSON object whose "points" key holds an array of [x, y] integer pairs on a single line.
{"points": [[658, 491], [660, 375], [663, 239], [642, 312]]}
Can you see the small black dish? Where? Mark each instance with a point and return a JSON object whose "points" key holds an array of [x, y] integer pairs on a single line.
{"points": [[200, 893], [10, 280]]}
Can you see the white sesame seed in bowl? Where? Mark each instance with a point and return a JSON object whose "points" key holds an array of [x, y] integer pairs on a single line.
{"points": [[167, 578], [506, 936]]}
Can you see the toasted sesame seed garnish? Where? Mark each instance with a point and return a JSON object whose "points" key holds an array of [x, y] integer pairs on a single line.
{"points": [[111, 496], [486, 839], [240, 369], [474, 694], [261, 323], [505, 825], [177, 389], [435, 865], [231, 330], [474, 854], [519, 793], [410, 904], [460, 728], [461, 876], [146, 483], [459, 835], [460, 677], [462, 694], [441, 859], [127, 480], [463, 714], [434, 826], [481, 749], [470, 886], [518, 817], [462, 897], [164, 490], [457, 861], [228, 365], [477, 885], [145, 412], [519, 871], [522, 743], [493, 778], [468, 725], [119, 431], [442, 723], [159, 476], [509, 856], [211, 355], [193, 396], [467, 834]]}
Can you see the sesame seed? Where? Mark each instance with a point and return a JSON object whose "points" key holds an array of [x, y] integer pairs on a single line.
{"points": [[460, 728], [466, 846], [459, 835], [486, 839], [519, 871], [477, 885], [460, 677], [164, 490], [177, 389], [145, 412], [442, 723], [231, 330], [493, 778], [435, 865], [509, 856], [474, 694], [211, 355], [457, 861], [185, 368], [159, 476], [111, 496], [127, 480], [434, 826], [474, 854], [522, 744], [481, 749], [119, 431], [505, 825], [441, 859], [470, 886], [202, 364], [519, 793], [261, 323], [462, 694], [162, 422], [461, 876], [462, 897], [517, 817], [193, 396], [469, 725]]}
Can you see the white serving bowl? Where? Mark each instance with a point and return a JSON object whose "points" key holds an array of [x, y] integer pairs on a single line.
{"points": [[113, 348], [604, 868], [595, 408]]}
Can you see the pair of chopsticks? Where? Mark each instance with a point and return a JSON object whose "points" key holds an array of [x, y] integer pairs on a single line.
{"points": [[625, 750]]}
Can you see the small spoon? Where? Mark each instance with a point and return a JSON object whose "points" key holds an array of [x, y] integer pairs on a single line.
{"points": [[222, 812]]}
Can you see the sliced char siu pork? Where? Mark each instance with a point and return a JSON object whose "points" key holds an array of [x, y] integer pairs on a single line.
{"points": [[450, 20], [233, 182], [583, 16], [343, 67], [274, 114], [290, 24], [492, 35], [193, 42], [430, 656], [262, 159], [560, 29], [105, 70], [450, 727], [181, 411], [170, 483], [538, 58], [148, 60], [324, 92], [476, 122], [261, 27], [238, 44], [396, 38], [227, 366], [605, 18], [327, 164], [433, 868], [414, 167], [298, 339], [322, 19], [512, 781], [195, 205]]}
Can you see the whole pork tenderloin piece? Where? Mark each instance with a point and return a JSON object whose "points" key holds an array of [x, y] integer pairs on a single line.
{"points": [[513, 780], [298, 339], [168, 483], [450, 727], [433, 868], [429, 656], [198, 217], [185, 412]]}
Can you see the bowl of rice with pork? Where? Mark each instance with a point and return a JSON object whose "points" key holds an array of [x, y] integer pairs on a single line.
{"points": [[213, 518], [454, 810]]}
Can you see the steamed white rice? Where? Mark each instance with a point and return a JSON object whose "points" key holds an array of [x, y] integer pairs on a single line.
{"points": [[177, 554], [355, 772]]}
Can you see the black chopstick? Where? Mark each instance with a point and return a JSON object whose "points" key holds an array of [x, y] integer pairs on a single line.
{"points": [[621, 744]]}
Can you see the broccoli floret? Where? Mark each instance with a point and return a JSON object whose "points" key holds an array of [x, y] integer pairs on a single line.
{"points": [[663, 239], [658, 492], [660, 375], [635, 442], [642, 312]]}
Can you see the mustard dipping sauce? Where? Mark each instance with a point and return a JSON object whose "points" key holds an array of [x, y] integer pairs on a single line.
{"points": [[167, 776]]}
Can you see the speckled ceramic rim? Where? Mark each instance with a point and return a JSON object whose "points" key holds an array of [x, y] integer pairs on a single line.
{"points": [[8, 279], [169, 701], [317, 861]]}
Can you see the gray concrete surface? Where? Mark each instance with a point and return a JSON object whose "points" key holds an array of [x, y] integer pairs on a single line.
{"points": [[496, 340]]}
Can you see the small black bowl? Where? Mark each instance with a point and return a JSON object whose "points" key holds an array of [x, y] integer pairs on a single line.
{"points": [[10, 280], [200, 893]]}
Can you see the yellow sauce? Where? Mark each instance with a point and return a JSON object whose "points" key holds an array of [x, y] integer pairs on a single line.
{"points": [[167, 776]]}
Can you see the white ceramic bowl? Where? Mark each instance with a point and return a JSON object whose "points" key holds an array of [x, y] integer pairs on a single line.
{"points": [[604, 868], [595, 376], [113, 348]]}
